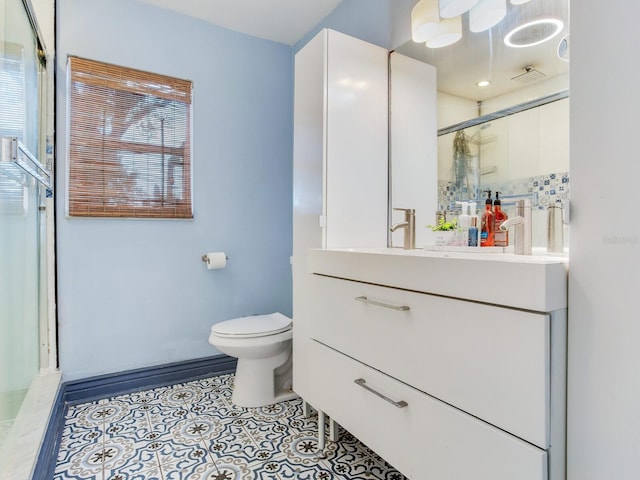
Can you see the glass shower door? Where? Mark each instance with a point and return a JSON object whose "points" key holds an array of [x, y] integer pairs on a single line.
{"points": [[20, 232], [19, 291]]}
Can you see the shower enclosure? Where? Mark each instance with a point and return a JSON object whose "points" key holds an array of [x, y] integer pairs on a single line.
{"points": [[25, 185]]}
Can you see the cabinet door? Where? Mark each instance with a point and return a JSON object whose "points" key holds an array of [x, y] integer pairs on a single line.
{"points": [[308, 182], [425, 439], [356, 143], [489, 361]]}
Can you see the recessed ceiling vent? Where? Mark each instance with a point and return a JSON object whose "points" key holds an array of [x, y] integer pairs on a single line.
{"points": [[530, 75]]}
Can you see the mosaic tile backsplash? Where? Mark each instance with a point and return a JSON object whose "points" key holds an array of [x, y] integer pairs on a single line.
{"points": [[543, 190]]}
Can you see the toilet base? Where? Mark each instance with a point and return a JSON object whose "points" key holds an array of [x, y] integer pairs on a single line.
{"points": [[239, 398], [258, 384], [284, 396]]}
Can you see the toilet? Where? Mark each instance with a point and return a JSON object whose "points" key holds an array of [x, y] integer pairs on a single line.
{"points": [[262, 345]]}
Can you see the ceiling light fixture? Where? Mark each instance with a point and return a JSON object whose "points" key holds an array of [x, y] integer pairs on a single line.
{"points": [[486, 14], [449, 32], [483, 83], [439, 22], [563, 48], [533, 33], [453, 8], [425, 18]]}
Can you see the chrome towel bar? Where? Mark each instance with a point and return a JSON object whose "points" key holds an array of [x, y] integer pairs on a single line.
{"points": [[12, 150]]}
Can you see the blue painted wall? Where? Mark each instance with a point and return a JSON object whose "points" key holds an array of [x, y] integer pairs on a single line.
{"points": [[386, 23], [367, 20], [134, 293]]}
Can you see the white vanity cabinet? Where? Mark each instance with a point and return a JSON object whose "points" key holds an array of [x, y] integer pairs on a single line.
{"points": [[450, 366], [441, 380]]}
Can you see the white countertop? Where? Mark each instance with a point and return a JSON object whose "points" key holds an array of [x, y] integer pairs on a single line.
{"points": [[467, 253], [529, 282]]}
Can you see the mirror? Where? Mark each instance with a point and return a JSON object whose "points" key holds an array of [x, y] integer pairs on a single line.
{"points": [[514, 133]]}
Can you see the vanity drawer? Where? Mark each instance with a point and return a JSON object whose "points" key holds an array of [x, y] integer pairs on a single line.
{"points": [[489, 361], [424, 439]]}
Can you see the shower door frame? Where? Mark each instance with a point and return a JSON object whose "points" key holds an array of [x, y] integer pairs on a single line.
{"points": [[30, 434], [47, 301]]}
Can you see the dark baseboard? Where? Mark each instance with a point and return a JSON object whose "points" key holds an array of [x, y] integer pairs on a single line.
{"points": [[110, 385], [113, 384]]}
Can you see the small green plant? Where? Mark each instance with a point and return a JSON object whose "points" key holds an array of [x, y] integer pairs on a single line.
{"points": [[443, 226]]}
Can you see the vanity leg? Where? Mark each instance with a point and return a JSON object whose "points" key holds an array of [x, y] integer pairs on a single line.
{"points": [[306, 409], [321, 438], [333, 430]]}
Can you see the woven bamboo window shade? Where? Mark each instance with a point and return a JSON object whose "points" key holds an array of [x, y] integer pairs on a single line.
{"points": [[129, 142]]}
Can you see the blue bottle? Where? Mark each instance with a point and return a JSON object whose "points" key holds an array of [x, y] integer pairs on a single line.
{"points": [[473, 232]]}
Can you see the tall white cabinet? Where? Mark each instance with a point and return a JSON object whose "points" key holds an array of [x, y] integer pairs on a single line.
{"points": [[340, 155], [604, 305], [340, 143]]}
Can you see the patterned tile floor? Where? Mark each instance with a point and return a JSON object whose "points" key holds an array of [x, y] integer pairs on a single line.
{"points": [[193, 431]]}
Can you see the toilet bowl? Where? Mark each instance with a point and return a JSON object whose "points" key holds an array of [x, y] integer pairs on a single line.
{"points": [[262, 345]]}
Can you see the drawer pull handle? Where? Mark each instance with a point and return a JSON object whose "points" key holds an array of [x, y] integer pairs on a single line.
{"points": [[402, 308], [363, 384]]}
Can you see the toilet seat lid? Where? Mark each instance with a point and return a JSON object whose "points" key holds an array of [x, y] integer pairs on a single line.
{"points": [[253, 326]]}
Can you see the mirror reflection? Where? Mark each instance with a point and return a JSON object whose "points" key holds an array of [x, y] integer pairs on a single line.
{"points": [[523, 154], [484, 56]]}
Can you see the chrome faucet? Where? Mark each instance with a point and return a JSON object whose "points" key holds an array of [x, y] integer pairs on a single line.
{"points": [[555, 241], [522, 232], [409, 226]]}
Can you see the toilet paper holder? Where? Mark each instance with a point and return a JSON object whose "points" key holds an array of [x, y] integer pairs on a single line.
{"points": [[204, 257]]}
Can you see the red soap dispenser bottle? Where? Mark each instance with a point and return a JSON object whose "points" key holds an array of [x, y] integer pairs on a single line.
{"points": [[501, 238], [487, 231]]}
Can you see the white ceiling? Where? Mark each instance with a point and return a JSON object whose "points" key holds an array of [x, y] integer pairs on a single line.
{"points": [[284, 21], [460, 66]]}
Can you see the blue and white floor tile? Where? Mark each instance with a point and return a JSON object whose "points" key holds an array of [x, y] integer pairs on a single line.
{"points": [[193, 431]]}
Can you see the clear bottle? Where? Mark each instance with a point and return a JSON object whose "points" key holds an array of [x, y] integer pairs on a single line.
{"points": [[487, 230], [464, 222], [501, 238]]}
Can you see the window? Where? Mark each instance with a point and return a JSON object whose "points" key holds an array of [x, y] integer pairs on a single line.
{"points": [[129, 142]]}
